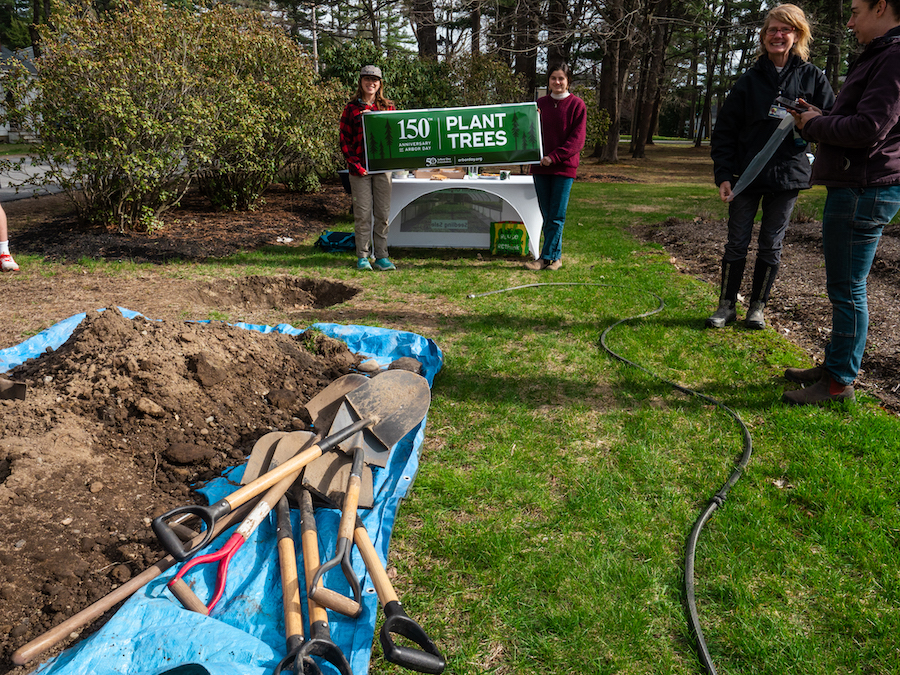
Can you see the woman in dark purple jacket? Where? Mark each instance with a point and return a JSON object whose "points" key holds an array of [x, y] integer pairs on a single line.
{"points": [[859, 161], [563, 130]]}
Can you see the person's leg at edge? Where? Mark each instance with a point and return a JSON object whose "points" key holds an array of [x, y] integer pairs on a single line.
{"points": [[555, 216], [741, 212], [361, 194], [852, 222], [6, 260], [776, 214], [542, 188], [381, 210]]}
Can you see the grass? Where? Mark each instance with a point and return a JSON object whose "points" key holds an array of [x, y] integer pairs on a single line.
{"points": [[545, 532], [15, 148]]}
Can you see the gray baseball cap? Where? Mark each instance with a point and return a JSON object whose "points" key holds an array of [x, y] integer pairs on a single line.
{"points": [[373, 71]]}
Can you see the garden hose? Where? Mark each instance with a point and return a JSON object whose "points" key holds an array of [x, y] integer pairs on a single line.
{"points": [[717, 499]]}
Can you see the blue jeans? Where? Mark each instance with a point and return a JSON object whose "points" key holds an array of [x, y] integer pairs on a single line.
{"points": [[851, 227], [553, 200], [776, 214]]}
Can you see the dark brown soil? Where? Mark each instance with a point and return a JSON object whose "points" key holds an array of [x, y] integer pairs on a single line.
{"points": [[123, 417]]}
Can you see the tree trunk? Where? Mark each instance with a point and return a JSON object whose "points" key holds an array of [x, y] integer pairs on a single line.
{"points": [[609, 101], [526, 45], [653, 73], [834, 31], [558, 39], [425, 27], [475, 22]]}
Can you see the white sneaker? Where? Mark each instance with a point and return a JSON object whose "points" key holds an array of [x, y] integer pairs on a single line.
{"points": [[7, 264]]}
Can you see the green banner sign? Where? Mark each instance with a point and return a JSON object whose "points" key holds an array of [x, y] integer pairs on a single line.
{"points": [[443, 137]]}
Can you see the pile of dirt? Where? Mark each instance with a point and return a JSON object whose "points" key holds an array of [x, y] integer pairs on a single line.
{"points": [[117, 423]]}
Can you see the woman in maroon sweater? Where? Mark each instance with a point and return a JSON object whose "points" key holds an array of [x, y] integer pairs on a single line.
{"points": [[563, 129]]}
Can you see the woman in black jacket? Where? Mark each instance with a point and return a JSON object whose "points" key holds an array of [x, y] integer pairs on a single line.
{"points": [[747, 119]]}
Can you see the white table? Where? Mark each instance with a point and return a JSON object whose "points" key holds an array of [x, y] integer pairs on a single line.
{"points": [[517, 199]]}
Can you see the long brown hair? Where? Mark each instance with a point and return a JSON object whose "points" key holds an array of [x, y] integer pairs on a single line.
{"points": [[381, 103]]}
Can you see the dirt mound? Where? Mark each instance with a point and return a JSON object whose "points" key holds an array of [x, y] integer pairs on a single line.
{"points": [[117, 423]]}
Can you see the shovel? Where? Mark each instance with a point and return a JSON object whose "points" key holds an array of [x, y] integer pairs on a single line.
{"points": [[323, 406], [319, 643], [365, 447], [388, 406], [30, 651], [287, 446], [290, 590], [319, 593], [426, 660], [10, 389]]}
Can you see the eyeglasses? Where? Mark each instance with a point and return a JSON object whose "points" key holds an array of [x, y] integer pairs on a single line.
{"points": [[783, 31]]}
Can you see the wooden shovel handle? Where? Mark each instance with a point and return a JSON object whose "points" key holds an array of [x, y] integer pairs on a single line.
{"points": [[380, 579], [351, 497], [42, 643], [186, 596], [287, 564], [309, 541]]}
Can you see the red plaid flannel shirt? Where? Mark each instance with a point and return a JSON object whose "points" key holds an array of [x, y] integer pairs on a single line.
{"points": [[352, 144]]}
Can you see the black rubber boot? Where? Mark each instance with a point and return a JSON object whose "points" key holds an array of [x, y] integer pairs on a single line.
{"points": [[726, 312], [763, 277]]}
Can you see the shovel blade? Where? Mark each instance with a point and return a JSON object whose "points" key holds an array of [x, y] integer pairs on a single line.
{"points": [[12, 390], [261, 456], [327, 478], [396, 399], [323, 406]]}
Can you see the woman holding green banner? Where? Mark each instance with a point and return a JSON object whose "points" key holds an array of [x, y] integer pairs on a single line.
{"points": [[563, 130], [371, 193]]}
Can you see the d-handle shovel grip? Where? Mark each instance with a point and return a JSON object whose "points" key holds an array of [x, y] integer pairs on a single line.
{"points": [[426, 660], [209, 514], [169, 538]]}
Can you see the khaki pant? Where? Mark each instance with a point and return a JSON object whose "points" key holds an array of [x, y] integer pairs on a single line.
{"points": [[371, 207]]}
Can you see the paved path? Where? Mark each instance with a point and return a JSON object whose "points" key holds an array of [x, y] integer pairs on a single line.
{"points": [[10, 179]]}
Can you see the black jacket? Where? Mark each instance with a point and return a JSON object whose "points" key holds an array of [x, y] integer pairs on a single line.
{"points": [[743, 125]]}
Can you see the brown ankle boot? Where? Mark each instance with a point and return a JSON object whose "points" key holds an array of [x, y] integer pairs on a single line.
{"points": [[804, 375], [827, 389]]}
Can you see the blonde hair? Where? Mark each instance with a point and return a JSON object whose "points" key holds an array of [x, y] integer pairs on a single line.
{"points": [[793, 16]]}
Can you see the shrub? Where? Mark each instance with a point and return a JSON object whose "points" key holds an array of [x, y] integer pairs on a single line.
{"points": [[409, 81], [597, 118], [116, 109], [130, 108], [272, 113], [484, 79]]}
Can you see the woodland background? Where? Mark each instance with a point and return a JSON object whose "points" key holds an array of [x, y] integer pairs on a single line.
{"points": [[656, 66]]}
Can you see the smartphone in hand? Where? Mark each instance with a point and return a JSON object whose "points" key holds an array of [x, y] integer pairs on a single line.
{"points": [[791, 104]]}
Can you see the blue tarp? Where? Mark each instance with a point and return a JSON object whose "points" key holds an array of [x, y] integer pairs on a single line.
{"points": [[152, 633]]}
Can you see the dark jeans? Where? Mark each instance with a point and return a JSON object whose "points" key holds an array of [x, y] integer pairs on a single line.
{"points": [[553, 199], [776, 213], [851, 228]]}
